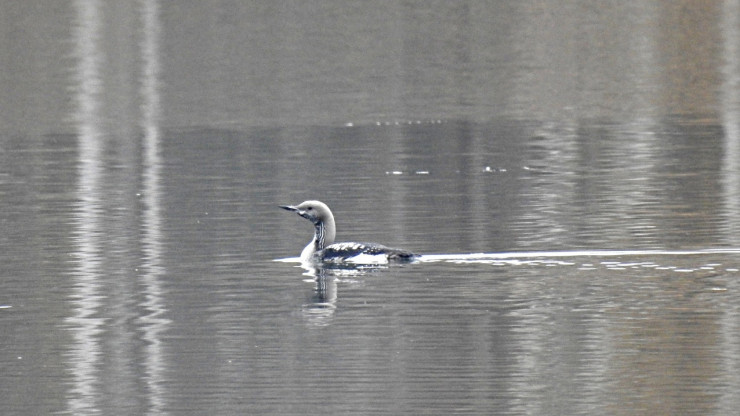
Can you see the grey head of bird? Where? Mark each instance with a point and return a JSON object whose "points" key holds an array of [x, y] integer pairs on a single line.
{"points": [[314, 211], [321, 217]]}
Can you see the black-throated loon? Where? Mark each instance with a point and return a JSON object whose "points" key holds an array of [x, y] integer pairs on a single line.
{"points": [[322, 248]]}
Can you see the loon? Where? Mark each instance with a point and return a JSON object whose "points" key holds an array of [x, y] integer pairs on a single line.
{"points": [[323, 250]]}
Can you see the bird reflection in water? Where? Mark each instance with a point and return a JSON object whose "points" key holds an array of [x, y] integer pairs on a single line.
{"points": [[322, 303]]}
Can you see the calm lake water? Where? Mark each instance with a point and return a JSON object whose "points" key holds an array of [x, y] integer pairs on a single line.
{"points": [[569, 173]]}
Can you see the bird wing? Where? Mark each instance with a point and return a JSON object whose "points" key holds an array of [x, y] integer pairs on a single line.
{"points": [[366, 252]]}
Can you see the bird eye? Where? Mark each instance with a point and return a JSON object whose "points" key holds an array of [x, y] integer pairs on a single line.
{"points": [[309, 208]]}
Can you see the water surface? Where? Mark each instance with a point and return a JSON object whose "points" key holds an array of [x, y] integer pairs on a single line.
{"points": [[570, 175]]}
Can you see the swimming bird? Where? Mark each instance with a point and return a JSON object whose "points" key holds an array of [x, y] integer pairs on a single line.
{"points": [[323, 250]]}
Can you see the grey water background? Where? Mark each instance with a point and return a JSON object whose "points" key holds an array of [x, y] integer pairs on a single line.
{"points": [[589, 150]]}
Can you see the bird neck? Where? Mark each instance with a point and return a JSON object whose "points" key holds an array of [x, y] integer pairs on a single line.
{"points": [[324, 234]]}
